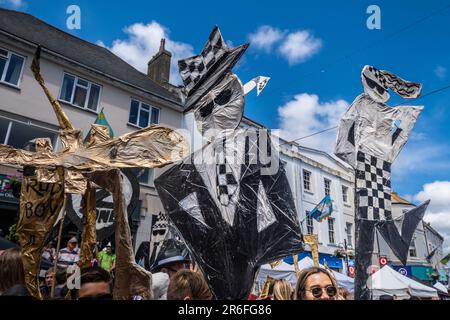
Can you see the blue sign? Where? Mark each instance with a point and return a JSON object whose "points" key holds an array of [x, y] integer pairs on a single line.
{"points": [[351, 262], [403, 270], [332, 261]]}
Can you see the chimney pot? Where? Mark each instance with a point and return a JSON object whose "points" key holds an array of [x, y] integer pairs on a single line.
{"points": [[159, 66]]}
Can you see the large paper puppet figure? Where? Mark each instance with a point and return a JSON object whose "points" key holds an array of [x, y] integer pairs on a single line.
{"points": [[80, 169], [231, 200], [371, 135]]}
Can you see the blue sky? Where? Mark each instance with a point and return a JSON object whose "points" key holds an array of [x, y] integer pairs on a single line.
{"points": [[314, 53]]}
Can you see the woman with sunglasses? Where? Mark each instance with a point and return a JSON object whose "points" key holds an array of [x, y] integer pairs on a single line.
{"points": [[316, 284]]}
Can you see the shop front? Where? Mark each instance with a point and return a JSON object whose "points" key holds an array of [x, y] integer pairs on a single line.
{"points": [[9, 202], [333, 262]]}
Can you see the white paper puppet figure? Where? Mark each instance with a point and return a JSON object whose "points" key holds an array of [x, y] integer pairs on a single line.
{"points": [[233, 213], [371, 135]]}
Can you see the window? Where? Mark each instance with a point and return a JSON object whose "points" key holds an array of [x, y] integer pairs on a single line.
{"points": [[307, 180], [331, 230], [327, 186], [142, 115], [11, 66], [309, 224], [345, 194], [348, 230], [412, 248], [17, 134], [80, 92], [144, 175]]}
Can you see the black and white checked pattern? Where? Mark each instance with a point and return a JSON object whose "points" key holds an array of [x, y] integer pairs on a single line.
{"points": [[194, 68], [161, 222], [226, 182], [388, 80], [373, 187]]}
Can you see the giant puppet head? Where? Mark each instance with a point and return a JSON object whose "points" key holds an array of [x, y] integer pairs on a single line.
{"points": [[214, 94]]}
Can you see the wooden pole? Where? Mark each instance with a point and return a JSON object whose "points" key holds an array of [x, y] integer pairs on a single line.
{"points": [[55, 263]]}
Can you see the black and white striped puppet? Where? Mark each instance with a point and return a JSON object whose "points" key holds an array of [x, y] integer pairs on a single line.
{"points": [[231, 200], [371, 135]]}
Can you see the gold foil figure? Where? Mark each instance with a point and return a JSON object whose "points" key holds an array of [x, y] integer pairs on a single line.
{"points": [[89, 234], [63, 120], [151, 147], [275, 264], [131, 280], [98, 134], [313, 242], [297, 269], [268, 284], [40, 204], [154, 146]]}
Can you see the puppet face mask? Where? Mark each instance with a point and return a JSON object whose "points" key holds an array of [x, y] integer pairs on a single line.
{"points": [[377, 82], [221, 108]]}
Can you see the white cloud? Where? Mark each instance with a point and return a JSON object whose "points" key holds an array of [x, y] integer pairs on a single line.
{"points": [[142, 43], [417, 157], [295, 47], [299, 46], [265, 37], [440, 72], [438, 213], [306, 114], [13, 3]]}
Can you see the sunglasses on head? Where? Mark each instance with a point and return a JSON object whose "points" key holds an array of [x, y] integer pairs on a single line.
{"points": [[317, 291], [372, 84]]}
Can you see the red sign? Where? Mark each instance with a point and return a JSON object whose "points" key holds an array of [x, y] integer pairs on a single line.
{"points": [[383, 261], [351, 271]]}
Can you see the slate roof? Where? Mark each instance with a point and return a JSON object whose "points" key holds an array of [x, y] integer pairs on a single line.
{"points": [[30, 28]]}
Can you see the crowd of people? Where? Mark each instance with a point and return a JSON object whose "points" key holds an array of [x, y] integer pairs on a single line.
{"points": [[173, 278]]}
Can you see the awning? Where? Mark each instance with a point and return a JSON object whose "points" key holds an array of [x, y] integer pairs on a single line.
{"points": [[441, 288], [388, 281], [287, 271]]}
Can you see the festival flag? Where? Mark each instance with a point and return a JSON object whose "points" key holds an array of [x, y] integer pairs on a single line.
{"points": [[445, 260], [101, 120], [322, 210], [259, 83]]}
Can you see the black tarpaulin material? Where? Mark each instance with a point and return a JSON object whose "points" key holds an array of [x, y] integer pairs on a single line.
{"points": [[230, 240], [200, 73], [399, 244]]}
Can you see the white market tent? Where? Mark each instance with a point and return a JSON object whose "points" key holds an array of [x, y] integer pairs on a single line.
{"points": [[441, 287], [390, 282], [287, 271]]}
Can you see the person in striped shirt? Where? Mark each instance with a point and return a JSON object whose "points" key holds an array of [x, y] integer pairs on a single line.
{"points": [[69, 255]]}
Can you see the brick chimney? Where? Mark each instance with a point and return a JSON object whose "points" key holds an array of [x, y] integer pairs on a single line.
{"points": [[159, 66]]}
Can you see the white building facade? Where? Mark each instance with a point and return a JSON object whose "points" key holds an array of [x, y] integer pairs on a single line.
{"points": [[312, 175]]}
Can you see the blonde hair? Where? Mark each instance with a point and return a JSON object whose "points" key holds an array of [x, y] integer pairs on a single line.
{"points": [[187, 283], [304, 275], [282, 290], [343, 293]]}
